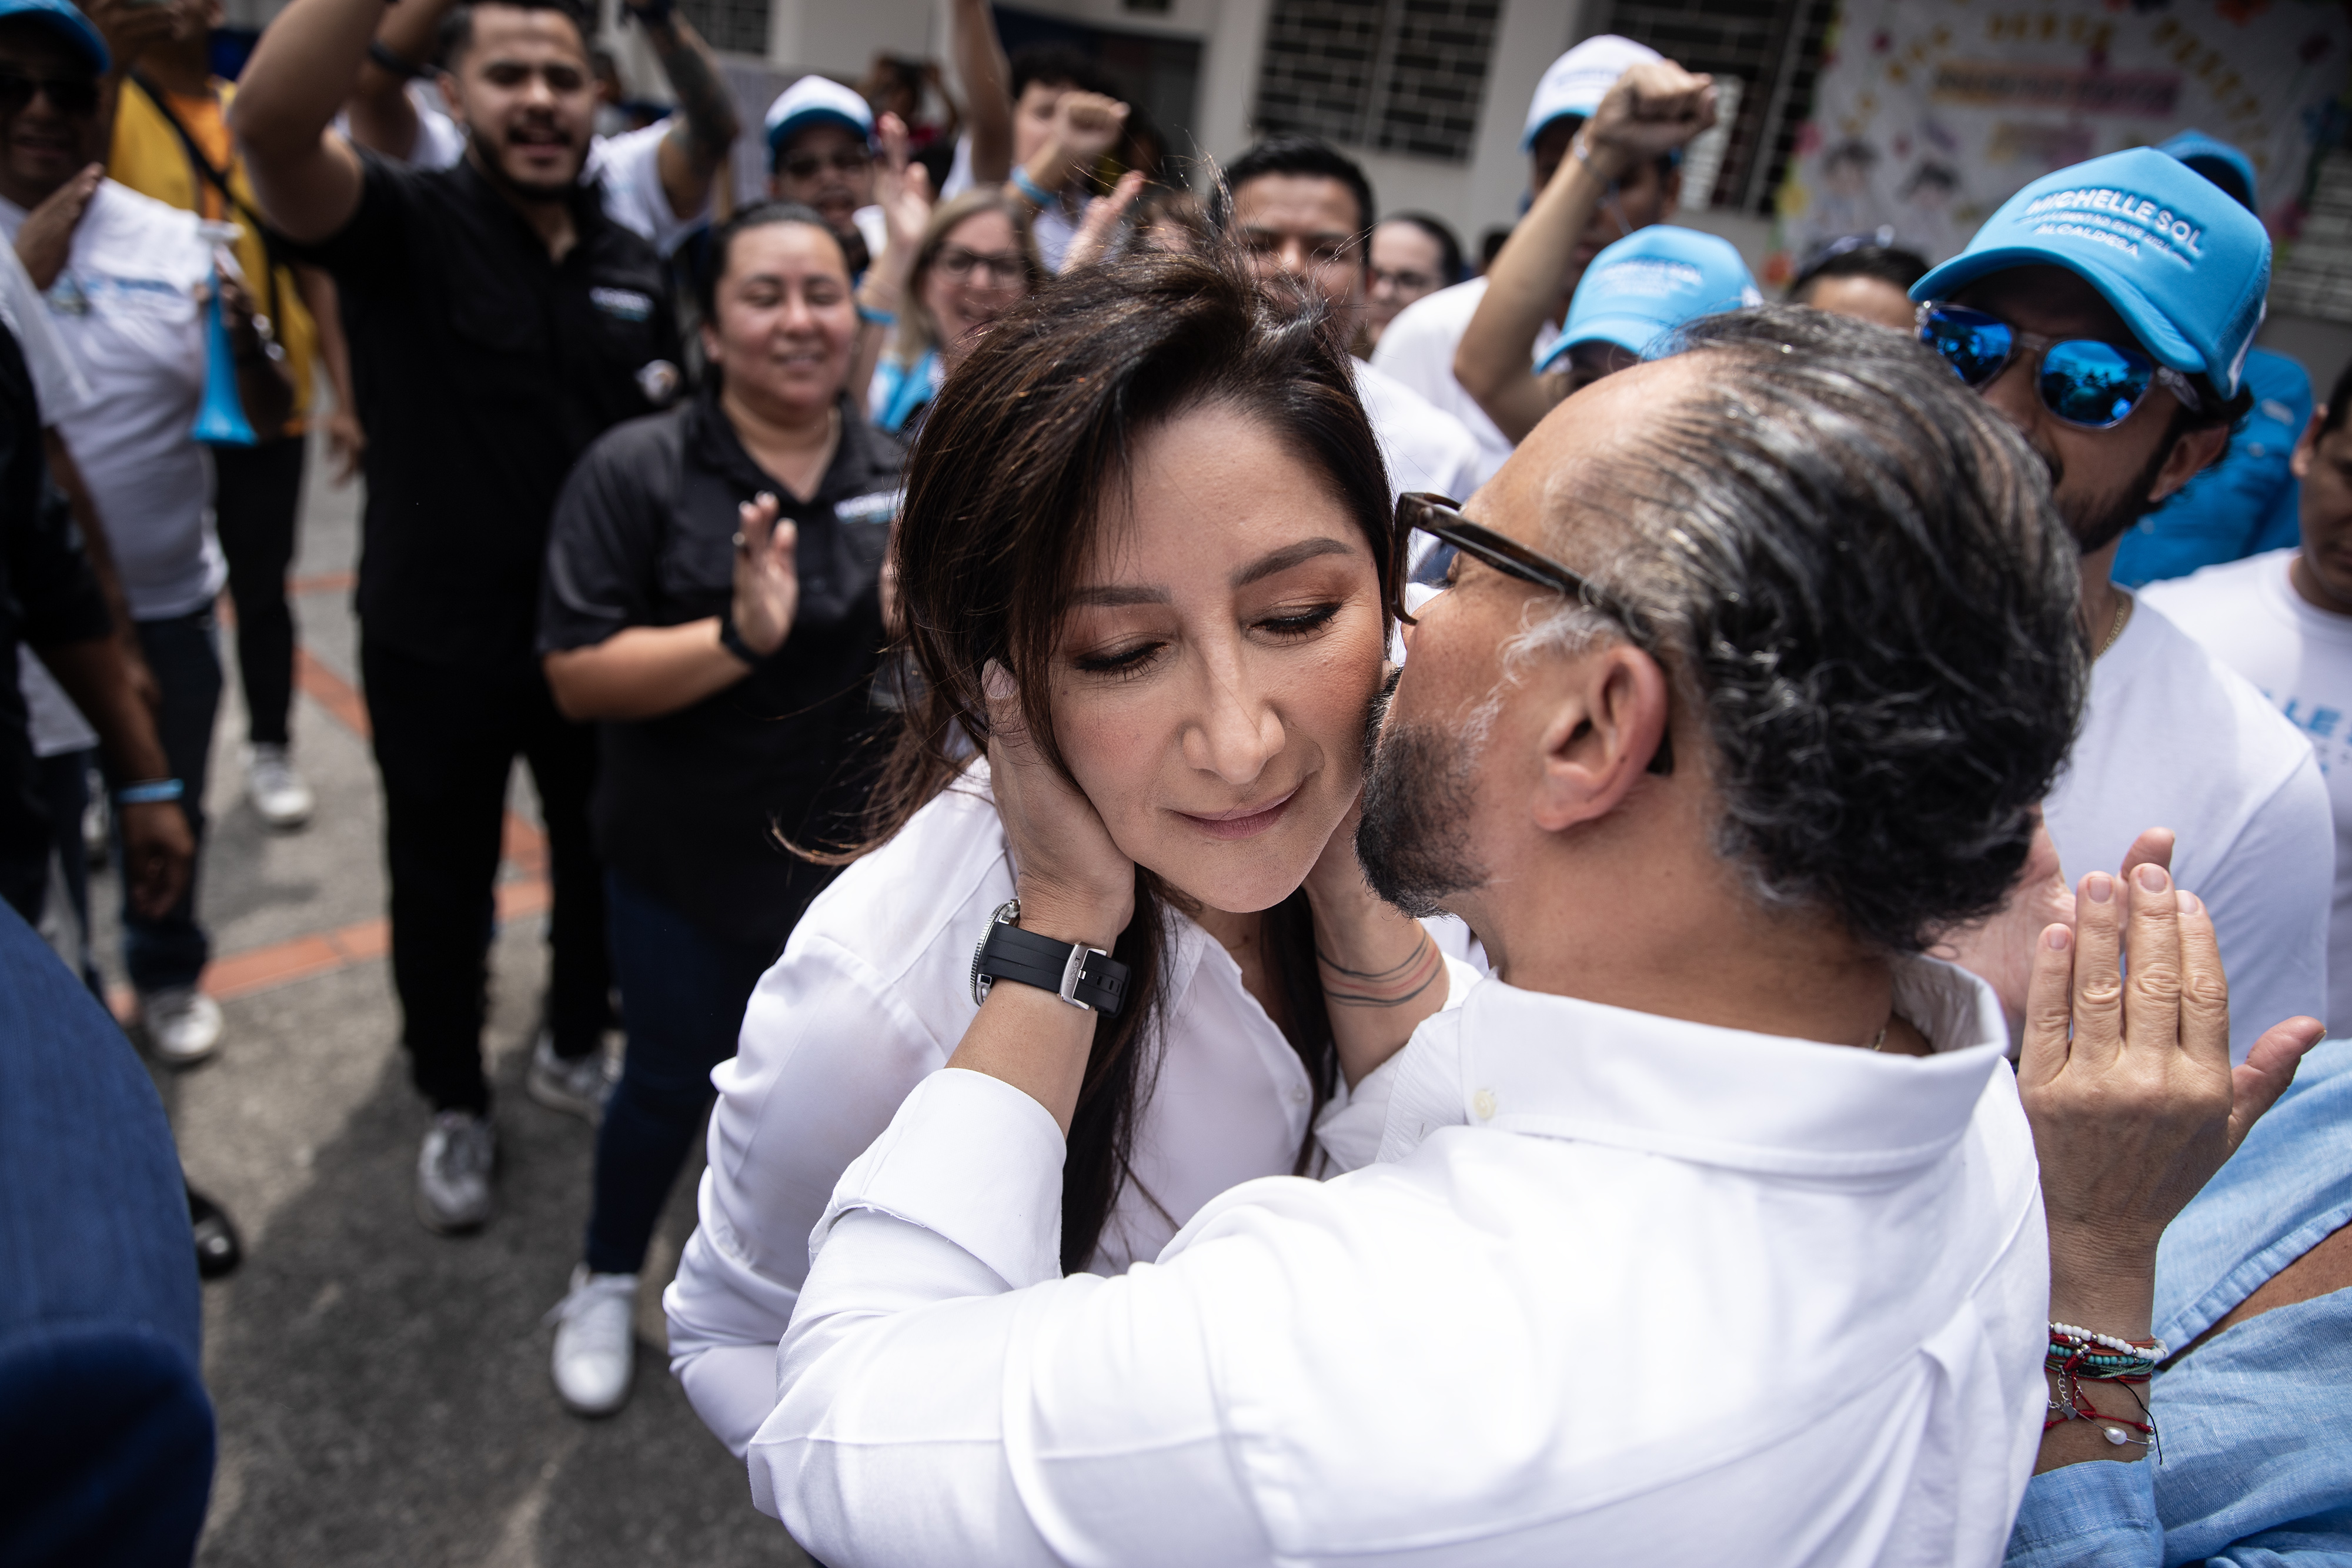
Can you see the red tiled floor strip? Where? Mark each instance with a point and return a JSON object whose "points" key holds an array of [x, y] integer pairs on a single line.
{"points": [[524, 891]]}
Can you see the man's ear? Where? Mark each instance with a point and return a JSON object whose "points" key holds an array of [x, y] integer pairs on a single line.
{"points": [[451, 98], [2307, 445], [1609, 721], [2190, 455]]}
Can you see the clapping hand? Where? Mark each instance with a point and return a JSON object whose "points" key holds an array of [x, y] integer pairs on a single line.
{"points": [[46, 238], [766, 575], [1092, 242], [2125, 1077]]}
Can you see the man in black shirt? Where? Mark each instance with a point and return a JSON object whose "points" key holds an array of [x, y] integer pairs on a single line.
{"points": [[500, 322]]}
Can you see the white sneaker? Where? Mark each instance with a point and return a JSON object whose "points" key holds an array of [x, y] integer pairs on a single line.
{"points": [[182, 1024], [595, 1341], [453, 1172], [578, 1088], [276, 791]]}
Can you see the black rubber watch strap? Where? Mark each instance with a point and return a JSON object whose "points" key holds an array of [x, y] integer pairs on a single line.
{"points": [[1009, 953], [730, 639]]}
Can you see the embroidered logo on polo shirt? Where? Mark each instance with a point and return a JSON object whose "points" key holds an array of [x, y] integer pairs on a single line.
{"points": [[659, 380], [624, 304], [879, 508]]}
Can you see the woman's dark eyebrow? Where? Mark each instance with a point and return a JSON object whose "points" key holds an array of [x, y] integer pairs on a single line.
{"points": [[1287, 556], [1112, 596]]}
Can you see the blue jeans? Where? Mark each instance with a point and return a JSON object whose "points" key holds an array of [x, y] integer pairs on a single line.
{"points": [[682, 997], [171, 949]]}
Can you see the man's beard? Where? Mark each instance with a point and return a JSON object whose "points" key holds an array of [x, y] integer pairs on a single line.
{"points": [[1419, 789], [2098, 521], [485, 153]]}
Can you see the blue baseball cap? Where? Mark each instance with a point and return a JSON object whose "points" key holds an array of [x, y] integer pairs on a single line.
{"points": [[2220, 163], [1635, 293], [811, 101], [1575, 83], [66, 20], [2185, 266]]}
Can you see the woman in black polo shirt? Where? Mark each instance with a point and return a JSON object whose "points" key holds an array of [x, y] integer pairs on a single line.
{"points": [[712, 596]]}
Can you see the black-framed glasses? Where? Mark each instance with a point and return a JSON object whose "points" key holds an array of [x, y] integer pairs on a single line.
{"points": [[2086, 382], [67, 95], [1003, 267], [1430, 533]]}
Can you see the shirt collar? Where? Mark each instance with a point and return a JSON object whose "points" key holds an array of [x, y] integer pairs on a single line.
{"points": [[1558, 1067]]}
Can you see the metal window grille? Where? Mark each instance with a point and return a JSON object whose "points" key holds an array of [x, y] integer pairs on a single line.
{"points": [[1773, 48], [1397, 75], [738, 26]]}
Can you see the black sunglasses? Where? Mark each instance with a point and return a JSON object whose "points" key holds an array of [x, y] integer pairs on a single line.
{"points": [[67, 95], [808, 165], [1428, 561]]}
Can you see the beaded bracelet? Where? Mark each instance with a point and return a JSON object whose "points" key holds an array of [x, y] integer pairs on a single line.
{"points": [[150, 792], [2150, 1351]]}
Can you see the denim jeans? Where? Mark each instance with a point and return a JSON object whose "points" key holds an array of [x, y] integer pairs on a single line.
{"points": [[682, 997], [64, 783], [171, 949]]}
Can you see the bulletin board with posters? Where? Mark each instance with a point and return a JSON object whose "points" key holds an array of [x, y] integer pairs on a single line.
{"points": [[1928, 114]]}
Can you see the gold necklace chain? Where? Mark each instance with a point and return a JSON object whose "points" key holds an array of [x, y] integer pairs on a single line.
{"points": [[2123, 613]]}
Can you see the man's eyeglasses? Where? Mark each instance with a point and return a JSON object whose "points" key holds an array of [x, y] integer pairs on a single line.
{"points": [[1403, 281], [808, 165], [67, 95], [1430, 535], [2088, 384], [1004, 267]]}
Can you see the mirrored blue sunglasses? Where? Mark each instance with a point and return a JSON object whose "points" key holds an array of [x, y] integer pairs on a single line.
{"points": [[2084, 381]]}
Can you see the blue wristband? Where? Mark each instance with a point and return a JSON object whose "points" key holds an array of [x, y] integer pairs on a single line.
{"points": [[153, 792], [874, 317], [1030, 188]]}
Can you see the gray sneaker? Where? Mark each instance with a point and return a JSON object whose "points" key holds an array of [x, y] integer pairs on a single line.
{"points": [[578, 1088], [453, 1172]]}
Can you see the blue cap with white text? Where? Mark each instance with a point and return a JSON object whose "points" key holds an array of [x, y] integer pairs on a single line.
{"points": [[1637, 292], [2185, 266], [67, 22]]}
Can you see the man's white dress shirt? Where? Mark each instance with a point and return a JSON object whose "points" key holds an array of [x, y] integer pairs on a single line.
{"points": [[872, 995], [1622, 1289], [2174, 739]]}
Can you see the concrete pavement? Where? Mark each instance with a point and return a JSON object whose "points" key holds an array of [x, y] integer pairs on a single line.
{"points": [[383, 1392]]}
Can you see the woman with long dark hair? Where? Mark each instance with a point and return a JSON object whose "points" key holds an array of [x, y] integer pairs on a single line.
{"points": [[1149, 514]]}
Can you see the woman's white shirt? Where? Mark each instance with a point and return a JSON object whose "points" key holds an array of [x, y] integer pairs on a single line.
{"points": [[872, 995]]}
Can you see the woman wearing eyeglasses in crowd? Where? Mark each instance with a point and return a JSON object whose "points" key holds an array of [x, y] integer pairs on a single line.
{"points": [[1149, 507], [712, 597], [945, 274]]}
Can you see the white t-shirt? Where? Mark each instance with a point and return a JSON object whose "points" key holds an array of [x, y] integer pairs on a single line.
{"points": [[1424, 446], [1418, 349], [2249, 616], [126, 309], [627, 167], [2174, 739]]}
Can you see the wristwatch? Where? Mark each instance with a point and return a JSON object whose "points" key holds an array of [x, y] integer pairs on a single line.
{"points": [[1081, 975]]}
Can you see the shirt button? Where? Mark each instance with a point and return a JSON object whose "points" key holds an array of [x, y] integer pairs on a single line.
{"points": [[1483, 1103], [1300, 1096]]}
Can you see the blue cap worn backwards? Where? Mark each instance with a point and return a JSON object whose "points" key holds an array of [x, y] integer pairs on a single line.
{"points": [[1637, 292], [2220, 163], [2184, 264], [68, 22]]}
